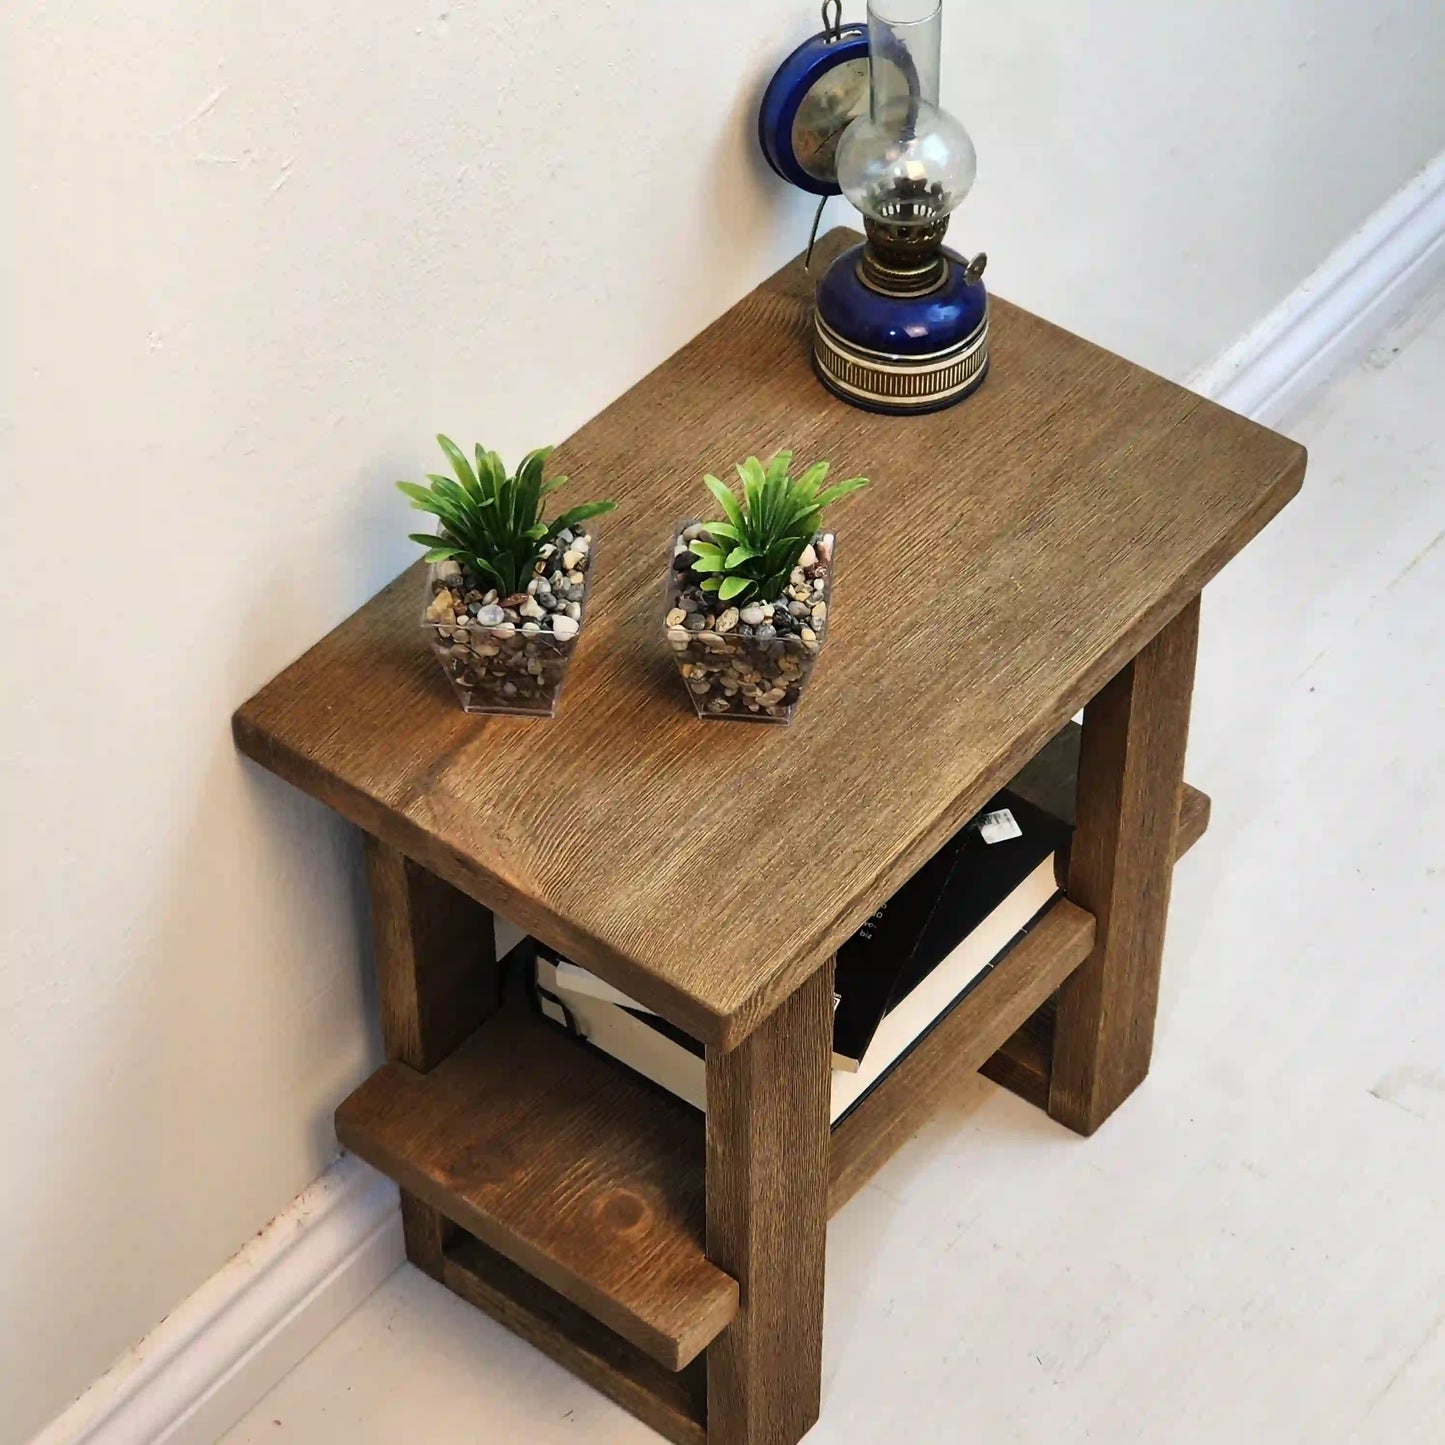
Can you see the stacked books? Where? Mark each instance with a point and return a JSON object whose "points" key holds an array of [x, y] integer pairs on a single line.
{"points": [[912, 962]]}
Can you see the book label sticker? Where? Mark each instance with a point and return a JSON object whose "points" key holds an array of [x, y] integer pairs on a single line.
{"points": [[999, 826]]}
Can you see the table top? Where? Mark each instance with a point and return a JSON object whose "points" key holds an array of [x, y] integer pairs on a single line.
{"points": [[1009, 557]]}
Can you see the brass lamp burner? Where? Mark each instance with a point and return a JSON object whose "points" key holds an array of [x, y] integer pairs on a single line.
{"points": [[903, 258], [904, 255]]}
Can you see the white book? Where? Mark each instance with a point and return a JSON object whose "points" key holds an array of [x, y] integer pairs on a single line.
{"points": [[575, 979], [606, 1023]]}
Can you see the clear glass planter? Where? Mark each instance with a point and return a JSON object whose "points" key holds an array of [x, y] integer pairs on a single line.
{"points": [[513, 663], [749, 663]]}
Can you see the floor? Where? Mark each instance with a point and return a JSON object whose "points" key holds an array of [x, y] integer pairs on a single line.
{"points": [[1254, 1248]]}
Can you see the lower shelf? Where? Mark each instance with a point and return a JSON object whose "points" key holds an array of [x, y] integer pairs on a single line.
{"points": [[673, 1403], [564, 1163]]}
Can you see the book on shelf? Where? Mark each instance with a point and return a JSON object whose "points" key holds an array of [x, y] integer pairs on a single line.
{"points": [[910, 963]]}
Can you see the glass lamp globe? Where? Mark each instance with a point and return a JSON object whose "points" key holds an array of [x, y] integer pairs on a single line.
{"points": [[912, 164]]}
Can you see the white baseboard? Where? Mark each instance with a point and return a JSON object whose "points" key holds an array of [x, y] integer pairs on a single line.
{"points": [[210, 1360], [226, 1346], [1333, 318]]}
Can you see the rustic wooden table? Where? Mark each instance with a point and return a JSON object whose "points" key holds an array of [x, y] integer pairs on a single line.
{"points": [[1054, 534]]}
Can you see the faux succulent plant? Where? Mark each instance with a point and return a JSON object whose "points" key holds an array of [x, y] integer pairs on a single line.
{"points": [[753, 551], [492, 522]]}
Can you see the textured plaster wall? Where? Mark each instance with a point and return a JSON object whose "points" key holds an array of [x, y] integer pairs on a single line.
{"points": [[254, 256]]}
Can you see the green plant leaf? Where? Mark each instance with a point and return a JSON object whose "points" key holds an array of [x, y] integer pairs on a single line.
{"points": [[527, 494], [485, 569], [725, 500], [840, 489], [708, 564], [711, 584], [778, 464], [739, 555], [420, 496], [750, 474], [725, 530], [733, 586], [460, 465], [805, 489], [699, 548]]}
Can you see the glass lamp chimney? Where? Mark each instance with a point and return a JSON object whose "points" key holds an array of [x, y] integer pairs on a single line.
{"points": [[907, 163]]}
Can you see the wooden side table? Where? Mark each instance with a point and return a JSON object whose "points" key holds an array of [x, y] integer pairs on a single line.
{"points": [[1054, 534]]}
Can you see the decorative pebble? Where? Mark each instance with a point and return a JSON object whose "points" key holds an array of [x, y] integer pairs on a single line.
{"points": [[694, 622], [573, 610], [441, 607], [808, 556], [491, 615], [753, 614], [532, 608], [563, 626], [728, 620], [572, 560], [674, 618], [449, 570]]}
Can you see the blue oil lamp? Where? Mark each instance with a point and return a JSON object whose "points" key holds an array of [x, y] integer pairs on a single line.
{"points": [[901, 321]]}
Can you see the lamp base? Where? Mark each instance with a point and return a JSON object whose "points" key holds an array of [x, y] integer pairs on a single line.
{"points": [[900, 354]]}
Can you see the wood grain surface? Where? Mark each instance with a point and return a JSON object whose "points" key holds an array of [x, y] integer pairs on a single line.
{"points": [[1121, 867], [564, 1163], [1012, 554], [767, 1194], [868, 1137]]}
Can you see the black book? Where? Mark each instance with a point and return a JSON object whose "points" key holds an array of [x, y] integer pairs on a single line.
{"points": [[933, 913]]}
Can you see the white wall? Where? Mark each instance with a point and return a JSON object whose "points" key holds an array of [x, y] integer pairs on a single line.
{"points": [[262, 253]]}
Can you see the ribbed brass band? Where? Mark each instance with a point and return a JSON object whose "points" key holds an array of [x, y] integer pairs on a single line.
{"points": [[902, 382]]}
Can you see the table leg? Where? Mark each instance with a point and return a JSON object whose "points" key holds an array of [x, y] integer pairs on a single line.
{"points": [[767, 1214], [436, 978], [1131, 772]]}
